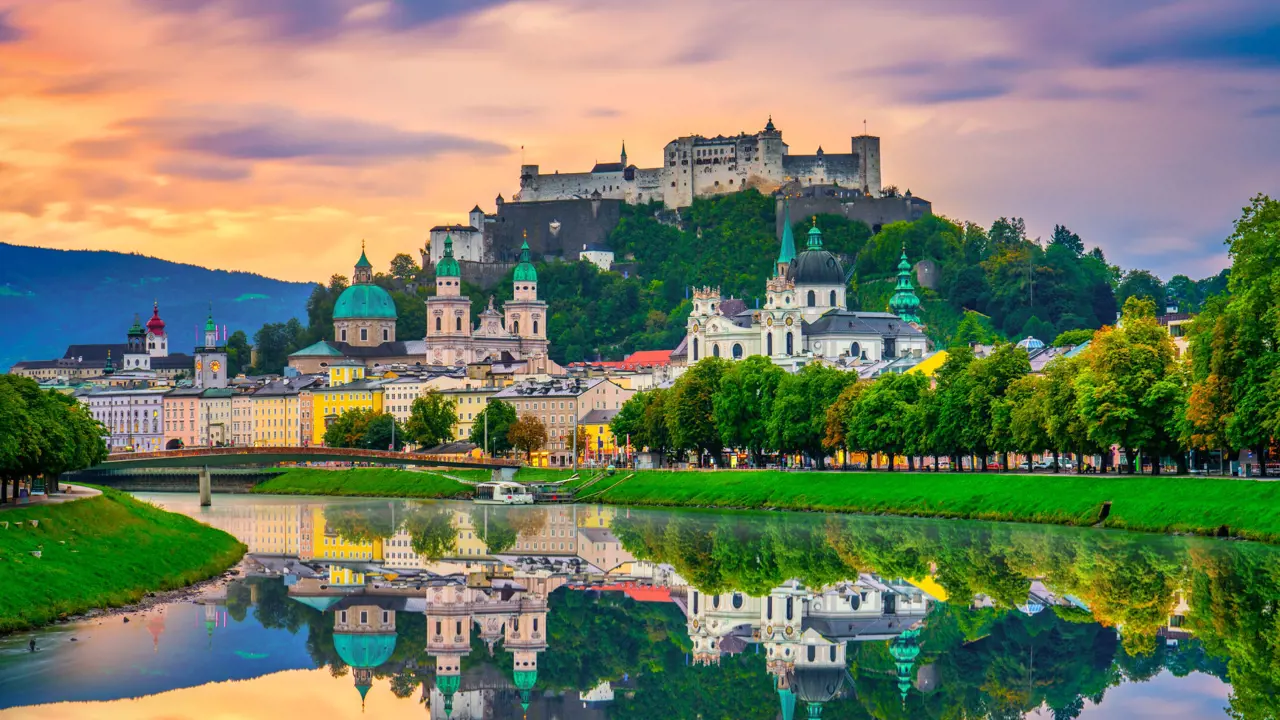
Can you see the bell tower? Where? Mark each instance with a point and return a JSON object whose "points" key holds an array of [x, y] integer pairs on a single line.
{"points": [[211, 357]]}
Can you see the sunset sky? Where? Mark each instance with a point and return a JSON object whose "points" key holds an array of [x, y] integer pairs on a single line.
{"points": [[272, 135]]}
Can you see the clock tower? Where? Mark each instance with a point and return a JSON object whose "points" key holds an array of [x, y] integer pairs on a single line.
{"points": [[211, 358]]}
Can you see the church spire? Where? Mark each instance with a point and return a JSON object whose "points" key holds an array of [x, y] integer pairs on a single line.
{"points": [[904, 302], [624, 154], [787, 252]]}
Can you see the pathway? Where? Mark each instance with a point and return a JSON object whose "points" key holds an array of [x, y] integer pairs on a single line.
{"points": [[70, 493]]}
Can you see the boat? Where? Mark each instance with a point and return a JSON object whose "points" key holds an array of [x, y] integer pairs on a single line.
{"points": [[503, 492]]}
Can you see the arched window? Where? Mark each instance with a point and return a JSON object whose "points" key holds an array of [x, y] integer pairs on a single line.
{"points": [[790, 608], [695, 349], [737, 351], [457, 322], [790, 344], [813, 652], [437, 324], [855, 350], [831, 651], [833, 298], [737, 601], [535, 327], [813, 298], [515, 328], [715, 350], [768, 344]]}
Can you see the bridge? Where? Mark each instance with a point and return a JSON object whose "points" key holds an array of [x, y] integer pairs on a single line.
{"points": [[207, 457], [225, 456]]}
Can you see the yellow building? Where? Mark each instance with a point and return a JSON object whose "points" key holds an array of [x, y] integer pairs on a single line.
{"points": [[595, 516], [275, 411], [330, 546], [602, 446], [277, 529], [471, 401], [357, 393]]}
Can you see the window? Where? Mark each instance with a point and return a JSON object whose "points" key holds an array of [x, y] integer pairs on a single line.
{"points": [[344, 334], [364, 617], [737, 351], [535, 327], [790, 344], [855, 350], [515, 328], [715, 350], [695, 349], [768, 341], [458, 324], [364, 334], [386, 335], [437, 324], [813, 299]]}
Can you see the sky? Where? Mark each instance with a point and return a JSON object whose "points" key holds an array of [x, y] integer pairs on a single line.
{"points": [[274, 136]]}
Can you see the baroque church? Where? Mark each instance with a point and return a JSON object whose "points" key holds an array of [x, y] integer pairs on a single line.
{"points": [[364, 324], [805, 315]]}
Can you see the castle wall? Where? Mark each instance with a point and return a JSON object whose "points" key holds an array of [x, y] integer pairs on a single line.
{"points": [[560, 186], [874, 211], [556, 228], [467, 244]]}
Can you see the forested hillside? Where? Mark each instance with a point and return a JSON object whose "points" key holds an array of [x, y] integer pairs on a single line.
{"points": [[993, 282]]}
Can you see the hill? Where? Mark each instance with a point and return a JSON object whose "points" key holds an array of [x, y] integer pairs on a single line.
{"points": [[52, 298]]}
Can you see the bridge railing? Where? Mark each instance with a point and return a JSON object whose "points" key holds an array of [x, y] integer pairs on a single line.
{"points": [[318, 452]]}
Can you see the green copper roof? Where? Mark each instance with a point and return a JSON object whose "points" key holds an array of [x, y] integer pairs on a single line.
{"points": [[787, 252], [319, 348], [364, 650], [525, 272], [364, 690], [525, 679], [788, 701], [448, 684], [364, 301], [815, 236], [137, 326], [208, 323], [321, 602], [448, 266], [905, 649], [363, 262], [904, 302]]}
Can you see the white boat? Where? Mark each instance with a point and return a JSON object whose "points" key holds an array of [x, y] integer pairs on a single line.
{"points": [[503, 492]]}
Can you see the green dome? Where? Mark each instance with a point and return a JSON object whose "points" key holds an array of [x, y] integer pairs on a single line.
{"points": [[448, 265], [448, 684], [525, 272], [364, 301], [525, 679], [904, 302], [363, 650]]}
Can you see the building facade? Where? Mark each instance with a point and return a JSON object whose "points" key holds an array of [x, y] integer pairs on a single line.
{"points": [[561, 405], [134, 417]]}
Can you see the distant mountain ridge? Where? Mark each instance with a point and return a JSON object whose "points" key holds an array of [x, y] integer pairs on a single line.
{"points": [[50, 299]]}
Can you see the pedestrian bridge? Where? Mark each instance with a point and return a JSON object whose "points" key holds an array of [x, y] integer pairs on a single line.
{"points": [[230, 456]]}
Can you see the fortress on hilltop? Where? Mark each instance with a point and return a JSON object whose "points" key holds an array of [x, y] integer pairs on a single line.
{"points": [[696, 166]]}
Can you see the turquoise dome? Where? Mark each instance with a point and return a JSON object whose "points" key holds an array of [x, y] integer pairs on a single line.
{"points": [[526, 679], [364, 301], [448, 265], [525, 272], [363, 650]]}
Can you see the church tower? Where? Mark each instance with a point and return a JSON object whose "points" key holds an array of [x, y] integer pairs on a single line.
{"points": [[904, 302], [135, 354], [211, 357], [448, 312], [526, 314], [364, 314], [157, 340]]}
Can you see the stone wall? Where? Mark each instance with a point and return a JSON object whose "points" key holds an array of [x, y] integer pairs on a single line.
{"points": [[874, 211], [554, 228]]}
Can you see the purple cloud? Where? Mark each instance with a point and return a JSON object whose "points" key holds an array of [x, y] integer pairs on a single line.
{"points": [[280, 134], [8, 31], [197, 170]]}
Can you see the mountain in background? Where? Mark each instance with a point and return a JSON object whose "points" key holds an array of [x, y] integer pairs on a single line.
{"points": [[52, 298]]}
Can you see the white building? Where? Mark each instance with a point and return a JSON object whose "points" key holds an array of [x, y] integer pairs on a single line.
{"points": [[133, 417]]}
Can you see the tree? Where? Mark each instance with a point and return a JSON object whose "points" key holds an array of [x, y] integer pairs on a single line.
{"points": [[950, 406], [1066, 428], [690, 408], [1141, 284], [1068, 338], [43, 433], [432, 417], [527, 435], [274, 342], [383, 433], [1067, 239], [1128, 390], [497, 417], [991, 377], [743, 404], [431, 532], [239, 354], [403, 267], [886, 417], [835, 433], [798, 421], [972, 330], [348, 429]]}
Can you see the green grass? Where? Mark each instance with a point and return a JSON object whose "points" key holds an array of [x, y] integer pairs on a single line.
{"points": [[103, 551], [1165, 504], [365, 482]]}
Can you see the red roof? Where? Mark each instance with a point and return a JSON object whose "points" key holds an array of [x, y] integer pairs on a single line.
{"points": [[647, 358], [639, 593]]}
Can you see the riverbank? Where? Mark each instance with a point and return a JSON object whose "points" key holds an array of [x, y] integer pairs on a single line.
{"points": [[367, 482], [1163, 504], [100, 552]]}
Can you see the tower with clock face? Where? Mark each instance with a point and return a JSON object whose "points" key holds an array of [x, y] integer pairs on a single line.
{"points": [[211, 358]]}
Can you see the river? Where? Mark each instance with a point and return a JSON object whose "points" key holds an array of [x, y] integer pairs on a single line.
{"points": [[411, 609]]}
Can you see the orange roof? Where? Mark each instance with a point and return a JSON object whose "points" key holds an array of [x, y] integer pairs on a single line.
{"points": [[648, 357], [639, 593]]}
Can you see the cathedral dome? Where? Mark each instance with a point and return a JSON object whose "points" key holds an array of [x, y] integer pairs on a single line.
{"points": [[816, 266], [818, 685], [364, 650], [364, 301], [448, 264], [525, 271]]}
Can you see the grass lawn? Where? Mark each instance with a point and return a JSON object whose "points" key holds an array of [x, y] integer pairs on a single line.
{"points": [[365, 482], [1249, 509], [100, 552]]}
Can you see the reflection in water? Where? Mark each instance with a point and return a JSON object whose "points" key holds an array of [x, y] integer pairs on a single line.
{"points": [[458, 611]]}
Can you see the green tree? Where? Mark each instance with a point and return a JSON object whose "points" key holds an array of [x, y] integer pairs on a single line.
{"points": [[498, 417], [690, 410], [973, 330], [239, 354], [432, 417], [275, 341], [1129, 390], [383, 433], [1067, 239], [348, 429], [1141, 284], [743, 404], [798, 421], [403, 267], [431, 532], [1068, 338], [887, 417]]}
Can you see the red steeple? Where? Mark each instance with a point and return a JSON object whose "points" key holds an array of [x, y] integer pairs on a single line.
{"points": [[155, 325]]}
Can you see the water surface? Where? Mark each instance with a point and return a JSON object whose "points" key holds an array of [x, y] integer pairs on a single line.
{"points": [[422, 609]]}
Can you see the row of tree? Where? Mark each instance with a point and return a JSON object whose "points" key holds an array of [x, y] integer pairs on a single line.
{"points": [[43, 434], [1126, 389]]}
